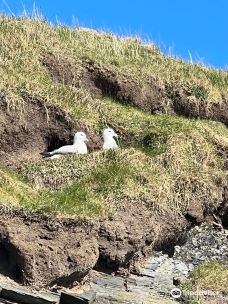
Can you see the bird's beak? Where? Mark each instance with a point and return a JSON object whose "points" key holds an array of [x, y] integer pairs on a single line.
{"points": [[115, 135], [86, 139]]}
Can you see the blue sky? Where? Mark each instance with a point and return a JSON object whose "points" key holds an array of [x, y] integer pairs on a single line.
{"points": [[179, 27]]}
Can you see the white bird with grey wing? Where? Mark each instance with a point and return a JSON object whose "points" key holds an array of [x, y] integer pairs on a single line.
{"points": [[79, 147], [109, 141]]}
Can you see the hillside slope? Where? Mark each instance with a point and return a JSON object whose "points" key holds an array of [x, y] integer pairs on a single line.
{"points": [[169, 174]]}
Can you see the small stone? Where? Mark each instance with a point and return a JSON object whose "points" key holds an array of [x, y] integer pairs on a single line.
{"points": [[190, 267], [85, 298], [177, 249], [181, 267]]}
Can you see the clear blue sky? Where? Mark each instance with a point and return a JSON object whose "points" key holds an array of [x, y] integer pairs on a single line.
{"points": [[177, 26]]}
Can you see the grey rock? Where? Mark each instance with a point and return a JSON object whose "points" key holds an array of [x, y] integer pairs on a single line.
{"points": [[26, 297], [110, 281], [85, 298], [2, 301], [181, 267]]}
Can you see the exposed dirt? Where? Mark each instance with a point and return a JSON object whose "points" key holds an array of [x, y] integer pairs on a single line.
{"points": [[61, 70], [135, 232], [38, 127], [188, 105], [222, 211], [152, 96], [42, 252], [102, 81], [106, 82]]}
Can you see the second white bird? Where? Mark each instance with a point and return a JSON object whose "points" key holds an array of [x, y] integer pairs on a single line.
{"points": [[109, 141]]}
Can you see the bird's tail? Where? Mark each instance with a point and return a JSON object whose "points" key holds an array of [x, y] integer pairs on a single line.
{"points": [[45, 154]]}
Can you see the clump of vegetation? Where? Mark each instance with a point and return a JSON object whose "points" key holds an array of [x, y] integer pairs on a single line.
{"points": [[200, 92], [187, 171], [211, 276]]}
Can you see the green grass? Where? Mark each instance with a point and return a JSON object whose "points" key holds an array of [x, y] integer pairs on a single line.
{"points": [[75, 200], [188, 170], [211, 276], [166, 162]]}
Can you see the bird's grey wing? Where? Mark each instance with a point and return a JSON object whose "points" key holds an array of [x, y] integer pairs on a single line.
{"points": [[64, 150]]}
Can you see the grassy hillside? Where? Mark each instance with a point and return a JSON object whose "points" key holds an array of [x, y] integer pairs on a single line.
{"points": [[166, 161]]}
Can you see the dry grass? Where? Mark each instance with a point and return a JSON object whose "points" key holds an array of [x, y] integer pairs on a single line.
{"points": [[179, 163], [211, 276], [24, 41], [188, 172]]}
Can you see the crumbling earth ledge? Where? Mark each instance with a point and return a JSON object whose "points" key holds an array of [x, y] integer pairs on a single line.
{"points": [[43, 251], [39, 251]]}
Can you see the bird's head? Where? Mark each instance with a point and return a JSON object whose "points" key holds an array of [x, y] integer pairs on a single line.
{"points": [[109, 133], [80, 136]]}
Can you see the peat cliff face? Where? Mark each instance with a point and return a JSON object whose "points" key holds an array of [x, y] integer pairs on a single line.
{"points": [[42, 251]]}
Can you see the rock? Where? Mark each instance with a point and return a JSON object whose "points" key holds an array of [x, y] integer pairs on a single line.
{"points": [[135, 290], [2, 301], [109, 281], [26, 297], [203, 243], [190, 267], [87, 297], [177, 249], [181, 267]]}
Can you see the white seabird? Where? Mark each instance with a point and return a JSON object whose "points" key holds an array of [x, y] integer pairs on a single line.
{"points": [[109, 141], [79, 147]]}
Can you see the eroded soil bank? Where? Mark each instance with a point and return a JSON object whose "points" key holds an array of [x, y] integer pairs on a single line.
{"points": [[34, 127], [41, 251], [151, 96], [153, 282]]}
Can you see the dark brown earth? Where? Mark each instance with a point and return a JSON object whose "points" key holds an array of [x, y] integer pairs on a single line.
{"points": [[135, 232], [185, 103], [102, 81], [222, 211], [43, 252], [151, 96], [37, 128], [105, 82]]}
